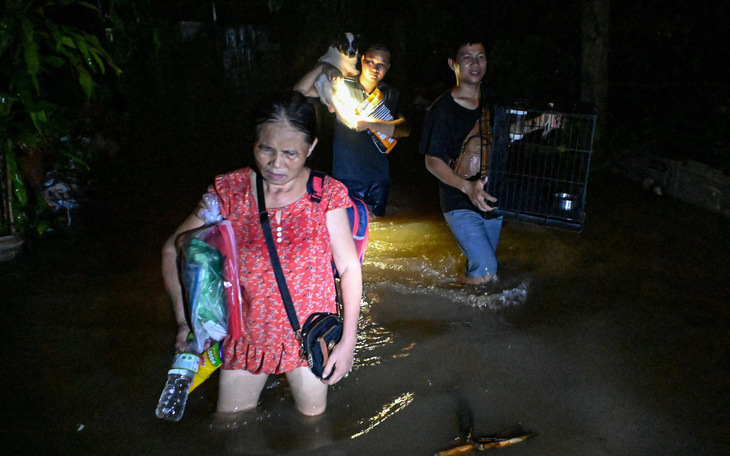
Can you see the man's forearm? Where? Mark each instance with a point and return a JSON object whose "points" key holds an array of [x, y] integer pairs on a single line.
{"points": [[444, 173], [397, 128]]}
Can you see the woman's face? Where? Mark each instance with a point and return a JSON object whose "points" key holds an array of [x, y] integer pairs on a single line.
{"points": [[281, 152]]}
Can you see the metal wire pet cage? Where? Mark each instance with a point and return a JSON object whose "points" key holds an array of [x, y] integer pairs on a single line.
{"points": [[539, 163]]}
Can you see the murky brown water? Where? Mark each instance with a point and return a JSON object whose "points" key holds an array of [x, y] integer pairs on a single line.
{"points": [[620, 346]]}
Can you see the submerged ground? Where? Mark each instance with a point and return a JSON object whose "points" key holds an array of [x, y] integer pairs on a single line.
{"points": [[620, 347]]}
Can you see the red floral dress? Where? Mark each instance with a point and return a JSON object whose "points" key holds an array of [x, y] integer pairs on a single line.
{"points": [[267, 343]]}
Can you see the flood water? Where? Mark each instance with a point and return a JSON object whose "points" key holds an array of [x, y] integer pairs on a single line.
{"points": [[611, 341]]}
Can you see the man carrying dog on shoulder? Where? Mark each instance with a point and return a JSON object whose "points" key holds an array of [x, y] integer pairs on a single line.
{"points": [[464, 202], [367, 125]]}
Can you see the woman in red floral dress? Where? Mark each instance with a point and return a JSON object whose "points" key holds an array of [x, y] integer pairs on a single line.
{"points": [[308, 236]]}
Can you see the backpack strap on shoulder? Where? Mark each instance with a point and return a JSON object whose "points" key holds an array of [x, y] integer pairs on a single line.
{"points": [[357, 212], [314, 186]]}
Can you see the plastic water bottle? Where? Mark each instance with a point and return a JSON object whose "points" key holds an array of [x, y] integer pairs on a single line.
{"points": [[175, 395]]}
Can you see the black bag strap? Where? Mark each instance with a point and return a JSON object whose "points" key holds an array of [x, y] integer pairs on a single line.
{"points": [[274, 257], [485, 138]]}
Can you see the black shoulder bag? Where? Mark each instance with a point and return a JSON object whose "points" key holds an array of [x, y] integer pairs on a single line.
{"points": [[322, 330]]}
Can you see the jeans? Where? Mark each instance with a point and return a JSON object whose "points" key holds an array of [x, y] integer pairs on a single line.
{"points": [[477, 238]]}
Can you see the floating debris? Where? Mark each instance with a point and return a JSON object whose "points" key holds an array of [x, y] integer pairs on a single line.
{"points": [[483, 443]]}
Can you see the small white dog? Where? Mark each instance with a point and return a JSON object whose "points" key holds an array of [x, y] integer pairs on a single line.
{"points": [[342, 54]]}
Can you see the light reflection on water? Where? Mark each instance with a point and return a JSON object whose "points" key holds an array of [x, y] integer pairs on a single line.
{"points": [[410, 259], [408, 262], [371, 336], [417, 252], [388, 410], [420, 257]]}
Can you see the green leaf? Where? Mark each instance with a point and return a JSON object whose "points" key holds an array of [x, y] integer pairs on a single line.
{"points": [[75, 158], [65, 40], [43, 105], [42, 226], [86, 82], [40, 121], [30, 53], [21, 87], [93, 41], [54, 61], [71, 57], [103, 53], [21, 195], [99, 62], [111, 63], [6, 104], [90, 47], [84, 48], [20, 219], [87, 42], [86, 4]]}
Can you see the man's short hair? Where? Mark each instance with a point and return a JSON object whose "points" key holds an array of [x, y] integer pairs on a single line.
{"points": [[379, 47], [465, 39]]}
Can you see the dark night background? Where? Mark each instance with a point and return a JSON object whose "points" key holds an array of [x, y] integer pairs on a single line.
{"points": [[667, 84]]}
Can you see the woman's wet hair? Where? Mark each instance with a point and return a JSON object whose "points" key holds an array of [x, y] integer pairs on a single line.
{"points": [[291, 107]]}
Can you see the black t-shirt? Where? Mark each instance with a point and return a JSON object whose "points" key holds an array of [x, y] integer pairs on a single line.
{"points": [[357, 161], [444, 129]]}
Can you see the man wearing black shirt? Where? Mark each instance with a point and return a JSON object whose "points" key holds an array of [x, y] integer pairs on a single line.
{"points": [[358, 162], [464, 202]]}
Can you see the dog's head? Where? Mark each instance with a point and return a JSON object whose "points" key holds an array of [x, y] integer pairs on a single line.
{"points": [[347, 43]]}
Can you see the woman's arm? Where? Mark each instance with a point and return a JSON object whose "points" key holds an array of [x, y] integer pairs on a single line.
{"points": [[348, 268], [171, 278]]}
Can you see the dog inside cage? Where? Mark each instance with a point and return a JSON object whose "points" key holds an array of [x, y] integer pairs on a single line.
{"points": [[539, 163]]}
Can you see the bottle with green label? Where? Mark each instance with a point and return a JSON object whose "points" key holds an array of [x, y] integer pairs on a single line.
{"points": [[175, 394]]}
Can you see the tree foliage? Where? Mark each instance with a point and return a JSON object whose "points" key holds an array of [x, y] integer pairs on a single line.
{"points": [[45, 55]]}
